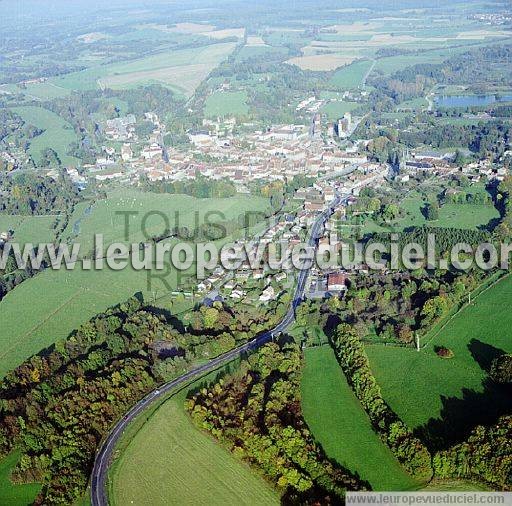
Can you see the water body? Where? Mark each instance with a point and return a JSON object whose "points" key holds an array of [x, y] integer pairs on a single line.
{"points": [[470, 100]]}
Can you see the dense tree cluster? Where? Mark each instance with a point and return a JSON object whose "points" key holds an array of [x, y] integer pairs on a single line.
{"points": [[486, 456], [200, 187], [57, 405], [486, 140], [12, 276], [256, 413], [410, 452], [479, 68], [28, 193], [392, 307], [14, 131], [83, 108], [504, 202], [465, 197], [382, 208], [445, 237], [501, 369]]}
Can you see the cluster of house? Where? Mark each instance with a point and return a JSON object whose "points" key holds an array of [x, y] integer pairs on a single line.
{"points": [[442, 164], [237, 284], [14, 156], [274, 154], [121, 129], [125, 164], [287, 233], [492, 18], [4, 237]]}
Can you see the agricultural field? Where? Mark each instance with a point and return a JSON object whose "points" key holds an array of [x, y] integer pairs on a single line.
{"points": [[184, 464], [151, 214], [257, 51], [425, 389], [320, 62], [466, 216], [415, 104], [62, 300], [29, 229], [429, 39], [335, 109], [226, 103], [58, 134], [339, 423], [37, 90], [15, 495], [181, 70], [351, 76], [284, 36]]}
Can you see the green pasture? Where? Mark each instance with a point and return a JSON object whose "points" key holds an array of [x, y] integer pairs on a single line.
{"points": [[336, 109], [434, 394], [58, 134], [15, 495], [169, 461], [226, 103], [351, 76], [181, 69], [339, 423], [61, 300], [29, 229]]}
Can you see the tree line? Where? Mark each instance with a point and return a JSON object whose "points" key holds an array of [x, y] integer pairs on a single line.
{"points": [[410, 451], [57, 406], [256, 412]]}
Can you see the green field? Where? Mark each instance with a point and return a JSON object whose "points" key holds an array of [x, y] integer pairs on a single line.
{"points": [[414, 104], [37, 91], [151, 214], [340, 425], [351, 76], [420, 386], [62, 300], [182, 69], [226, 103], [391, 64], [32, 229], [336, 109], [248, 52], [466, 216], [58, 134], [170, 462], [15, 495]]}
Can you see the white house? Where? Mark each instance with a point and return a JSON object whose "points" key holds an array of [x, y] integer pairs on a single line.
{"points": [[268, 294]]}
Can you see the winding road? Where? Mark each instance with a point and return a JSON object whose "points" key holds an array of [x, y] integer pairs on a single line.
{"points": [[104, 456]]}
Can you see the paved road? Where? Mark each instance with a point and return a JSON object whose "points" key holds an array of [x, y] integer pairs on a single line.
{"points": [[104, 455]]}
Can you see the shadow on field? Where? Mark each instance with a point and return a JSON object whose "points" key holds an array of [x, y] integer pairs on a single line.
{"points": [[460, 415], [484, 353]]}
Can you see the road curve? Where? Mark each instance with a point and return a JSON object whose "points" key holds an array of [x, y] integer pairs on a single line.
{"points": [[104, 455]]}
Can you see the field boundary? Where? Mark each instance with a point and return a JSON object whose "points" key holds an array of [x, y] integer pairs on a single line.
{"points": [[41, 323], [145, 416], [479, 290]]}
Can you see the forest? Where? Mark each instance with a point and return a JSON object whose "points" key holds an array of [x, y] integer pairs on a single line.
{"points": [[57, 405], [256, 413], [29, 193]]}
